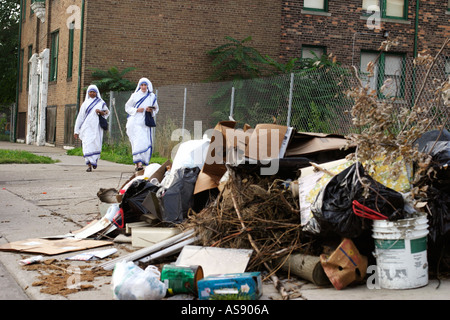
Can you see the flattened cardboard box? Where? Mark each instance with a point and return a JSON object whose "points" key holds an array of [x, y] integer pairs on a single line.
{"points": [[53, 247], [304, 143], [212, 172], [268, 141], [252, 143]]}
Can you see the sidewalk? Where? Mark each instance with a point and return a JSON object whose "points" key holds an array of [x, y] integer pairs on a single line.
{"points": [[40, 200]]}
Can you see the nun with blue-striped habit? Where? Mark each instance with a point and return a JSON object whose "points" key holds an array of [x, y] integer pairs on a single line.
{"points": [[87, 126], [140, 135]]}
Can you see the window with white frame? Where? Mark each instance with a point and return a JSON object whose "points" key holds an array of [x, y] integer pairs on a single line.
{"points": [[319, 5], [312, 51], [388, 73], [397, 9], [393, 75], [366, 77]]}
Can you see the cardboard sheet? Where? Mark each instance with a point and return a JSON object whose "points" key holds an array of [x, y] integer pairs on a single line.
{"points": [[215, 260], [230, 145], [94, 227], [213, 170], [268, 141], [52, 247], [305, 143]]}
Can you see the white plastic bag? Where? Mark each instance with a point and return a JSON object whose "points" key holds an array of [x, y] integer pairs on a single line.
{"points": [[190, 154], [151, 169], [129, 282]]}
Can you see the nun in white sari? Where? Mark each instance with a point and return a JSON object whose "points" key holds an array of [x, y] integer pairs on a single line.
{"points": [[87, 126], [143, 99]]}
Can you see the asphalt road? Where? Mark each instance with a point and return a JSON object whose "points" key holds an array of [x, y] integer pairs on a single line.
{"points": [[42, 200]]}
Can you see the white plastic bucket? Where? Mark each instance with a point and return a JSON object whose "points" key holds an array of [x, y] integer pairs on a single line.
{"points": [[401, 252]]}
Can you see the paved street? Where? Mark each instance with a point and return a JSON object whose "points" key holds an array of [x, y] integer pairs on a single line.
{"points": [[41, 200]]}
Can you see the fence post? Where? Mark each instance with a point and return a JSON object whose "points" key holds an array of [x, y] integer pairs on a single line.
{"points": [[184, 111], [232, 104], [153, 130], [291, 91], [111, 112]]}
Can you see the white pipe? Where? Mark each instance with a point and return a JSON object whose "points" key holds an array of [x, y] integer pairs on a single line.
{"points": [[148, 250], [175, 248]]}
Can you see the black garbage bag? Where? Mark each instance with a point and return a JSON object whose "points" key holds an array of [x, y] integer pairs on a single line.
{"points": [[439, 220], [440, 162], [431, 136], [333, 207], [133, 198], [437, 145], [173, 199]]}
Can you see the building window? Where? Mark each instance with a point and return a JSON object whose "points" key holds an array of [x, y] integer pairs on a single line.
{"points": [[70, 50], [319, 5], [313, 52], [388, 73], [54, 56], [397, 9]]}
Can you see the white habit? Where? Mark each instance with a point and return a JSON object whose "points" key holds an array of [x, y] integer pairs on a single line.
{"points": [[88, 128], [139, 134]]}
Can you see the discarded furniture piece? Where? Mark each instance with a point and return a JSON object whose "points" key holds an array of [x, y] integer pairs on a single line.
{"points": [[147, 236]]}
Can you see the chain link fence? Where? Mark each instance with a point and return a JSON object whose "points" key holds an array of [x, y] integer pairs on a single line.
{"points": [[309, 100]]}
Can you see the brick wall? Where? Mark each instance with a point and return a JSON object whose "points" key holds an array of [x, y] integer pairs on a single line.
{"points": [[434, 25], [63, 91], [167, 41], [344, 31]]}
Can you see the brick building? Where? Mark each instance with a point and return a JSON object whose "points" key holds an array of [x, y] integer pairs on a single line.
{"points": [[347, 28], [167, 42]]}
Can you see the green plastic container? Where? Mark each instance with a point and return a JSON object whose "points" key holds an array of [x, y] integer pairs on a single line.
{"points": [[181, 279]]}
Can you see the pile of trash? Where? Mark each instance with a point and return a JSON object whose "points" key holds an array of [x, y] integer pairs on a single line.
{"points": [[285, 196], [243, 205]]}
